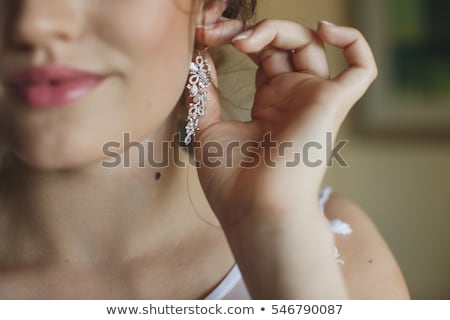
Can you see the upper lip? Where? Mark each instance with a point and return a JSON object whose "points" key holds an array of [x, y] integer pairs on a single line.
{"points": [[52, 74]]}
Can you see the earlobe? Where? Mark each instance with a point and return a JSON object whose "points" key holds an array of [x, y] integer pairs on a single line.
{"points": [[211, 12], [213, 29]]}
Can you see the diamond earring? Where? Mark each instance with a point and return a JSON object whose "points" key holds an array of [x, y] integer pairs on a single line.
{"points": [[199, 80]]}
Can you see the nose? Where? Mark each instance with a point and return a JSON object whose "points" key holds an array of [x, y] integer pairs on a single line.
{"points": [[40, 23]]}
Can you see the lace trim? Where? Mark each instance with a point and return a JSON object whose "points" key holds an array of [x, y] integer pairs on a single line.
{"points": [[338, 226]]}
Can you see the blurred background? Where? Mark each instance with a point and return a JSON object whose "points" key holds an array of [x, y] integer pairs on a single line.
{"points": [[399, 134]]}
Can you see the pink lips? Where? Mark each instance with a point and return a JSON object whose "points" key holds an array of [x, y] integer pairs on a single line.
{"points": [[52, 86]]}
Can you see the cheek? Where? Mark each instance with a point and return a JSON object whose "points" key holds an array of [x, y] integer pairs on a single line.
{"points": [[148, 44], [156, 44]]}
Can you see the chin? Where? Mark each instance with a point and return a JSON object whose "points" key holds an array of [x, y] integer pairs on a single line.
{"points": [[42, 157], [40, 162]]}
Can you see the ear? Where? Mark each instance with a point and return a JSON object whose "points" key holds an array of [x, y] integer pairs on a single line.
{"points": [[212, 28], [211, 12]]}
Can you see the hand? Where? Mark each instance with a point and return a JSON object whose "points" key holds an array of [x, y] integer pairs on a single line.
{"points": [[295, 101], [270, 214]]}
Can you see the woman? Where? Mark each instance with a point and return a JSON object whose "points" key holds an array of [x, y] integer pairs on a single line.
{"points": [[82, 216]]}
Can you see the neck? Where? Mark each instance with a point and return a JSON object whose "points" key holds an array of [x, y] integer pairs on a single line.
{"points": [[93, 214]]}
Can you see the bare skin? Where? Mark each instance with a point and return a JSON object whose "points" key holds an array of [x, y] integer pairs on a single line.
{"points": [[104, 240], [70, 228], [370, 270]]}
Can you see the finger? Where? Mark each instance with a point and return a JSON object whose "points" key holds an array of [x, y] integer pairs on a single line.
{"points": [[312, 58], [362, 68], [261, 78], [225, 30], [274, 61], [309, 55], [219, 33], [212, 111]]}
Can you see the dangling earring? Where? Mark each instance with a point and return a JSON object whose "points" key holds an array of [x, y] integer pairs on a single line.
{"points": [[199, 80]]}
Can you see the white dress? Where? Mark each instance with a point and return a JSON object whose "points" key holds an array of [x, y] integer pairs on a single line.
{"points": [[232, 287]]}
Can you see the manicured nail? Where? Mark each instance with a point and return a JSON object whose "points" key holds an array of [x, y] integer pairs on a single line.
{"points": [[327, 23], [244, 35]]}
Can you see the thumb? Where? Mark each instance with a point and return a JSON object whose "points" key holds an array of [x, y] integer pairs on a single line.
{"points": [[202, 97]]}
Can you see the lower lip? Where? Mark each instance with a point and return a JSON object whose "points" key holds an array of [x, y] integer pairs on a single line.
{"points": [[64, 93]]}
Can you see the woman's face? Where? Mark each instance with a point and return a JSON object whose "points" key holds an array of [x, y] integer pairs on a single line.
{"points": [[83, 72]]}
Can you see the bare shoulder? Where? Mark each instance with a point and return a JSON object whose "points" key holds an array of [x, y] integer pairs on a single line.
{"points": [[369, 268]]}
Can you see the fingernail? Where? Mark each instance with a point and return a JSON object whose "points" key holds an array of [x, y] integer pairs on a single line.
{"points": [[327, 23], [244, 35], [222, 18]]}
